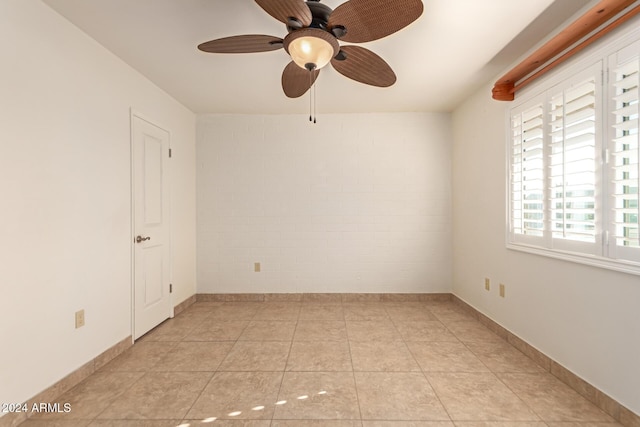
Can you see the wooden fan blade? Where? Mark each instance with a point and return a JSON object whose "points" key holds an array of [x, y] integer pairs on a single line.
{"points": [[284, 10], [296, 81], [364, 66], [367, 20], [242, 44]]}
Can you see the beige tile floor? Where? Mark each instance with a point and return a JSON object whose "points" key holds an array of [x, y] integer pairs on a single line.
{"points": [[314, 365]]}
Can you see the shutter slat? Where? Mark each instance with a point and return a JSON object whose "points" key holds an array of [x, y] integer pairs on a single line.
{"points": [[628, 82], [574, 117], [575, 128], [627, 110], [627, 140], [631, 167], [628, 125], [628, 96]]}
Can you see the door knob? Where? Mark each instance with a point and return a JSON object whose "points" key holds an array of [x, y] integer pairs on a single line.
{"points": [[142, 239]]}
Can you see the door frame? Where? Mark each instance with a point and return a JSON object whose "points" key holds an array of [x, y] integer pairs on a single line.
{"points": [[133, 114]]}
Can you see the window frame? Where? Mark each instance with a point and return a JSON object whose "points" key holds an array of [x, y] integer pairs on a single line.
{"points": [[601, 253]]}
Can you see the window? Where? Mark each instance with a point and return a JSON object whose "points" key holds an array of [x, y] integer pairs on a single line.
{"points": [[573, 163]]}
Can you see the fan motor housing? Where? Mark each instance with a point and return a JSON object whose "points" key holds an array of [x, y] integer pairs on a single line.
{"points": [[320, 15]]}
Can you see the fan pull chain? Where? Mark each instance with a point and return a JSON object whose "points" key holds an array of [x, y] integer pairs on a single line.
{"points": [[310, 96], [315, 102], [312, 93]]}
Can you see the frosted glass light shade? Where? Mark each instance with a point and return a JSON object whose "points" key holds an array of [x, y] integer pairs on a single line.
{"points": [[311, 48]]}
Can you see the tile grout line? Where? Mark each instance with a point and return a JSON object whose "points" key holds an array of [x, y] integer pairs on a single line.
{"points": [[353, 370], [186, 418], [96, 417], [284, 371], [213, 374], [495, 375], [424, 374], [520, 398]]}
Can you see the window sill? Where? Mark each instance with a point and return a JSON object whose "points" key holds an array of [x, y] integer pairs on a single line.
{"points": [[627, 267]]}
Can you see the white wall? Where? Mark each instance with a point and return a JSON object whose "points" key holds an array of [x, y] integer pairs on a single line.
{"points": [[585, 318], [65, 217], [355, 203]]}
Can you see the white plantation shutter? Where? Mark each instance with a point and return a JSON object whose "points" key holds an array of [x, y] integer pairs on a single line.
{"points": [[623, 149], [574, 166], [574, 162], [527, 171]]}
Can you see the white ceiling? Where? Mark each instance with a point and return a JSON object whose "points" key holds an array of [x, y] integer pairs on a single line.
{"points": [[455, 47]]}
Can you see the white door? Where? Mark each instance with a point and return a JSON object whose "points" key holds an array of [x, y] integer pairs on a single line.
{"points": [[151, 237]]}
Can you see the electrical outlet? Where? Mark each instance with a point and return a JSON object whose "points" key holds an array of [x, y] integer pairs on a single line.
{"points": [[79, 319], [487, 284], [256, 267], [502, 290]]}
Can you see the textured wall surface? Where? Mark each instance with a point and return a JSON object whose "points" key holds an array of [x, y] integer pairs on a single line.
{"points": [[355, 203]]}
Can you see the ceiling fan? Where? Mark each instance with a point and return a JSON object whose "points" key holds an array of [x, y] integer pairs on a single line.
{"points": [[314, 32]]}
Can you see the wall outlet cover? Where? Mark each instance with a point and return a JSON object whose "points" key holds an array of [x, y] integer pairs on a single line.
{"points": [[79, 319]]}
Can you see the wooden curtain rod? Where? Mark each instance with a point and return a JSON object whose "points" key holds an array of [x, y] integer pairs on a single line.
{"points": [[537, 64]]}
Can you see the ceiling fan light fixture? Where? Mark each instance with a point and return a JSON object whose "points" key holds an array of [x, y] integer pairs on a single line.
{"points": [[311, 48]]}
